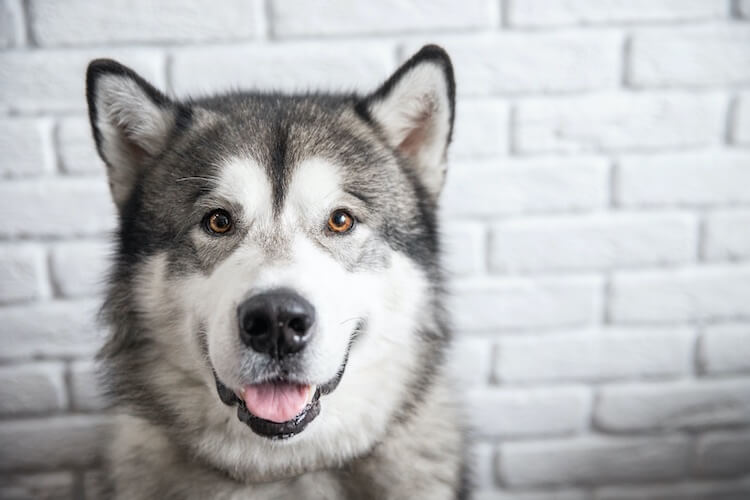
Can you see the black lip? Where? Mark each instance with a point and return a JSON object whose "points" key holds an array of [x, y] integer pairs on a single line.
{"points": [[281, 430]]}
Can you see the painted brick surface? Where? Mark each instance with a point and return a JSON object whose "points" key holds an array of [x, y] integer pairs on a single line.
{"points": [[34, 388], [726, 348], [79, 22], [519, 413], [620, 121], [592, 460], [590, 12], [670, 406], [342, 17], [586, 355], [23, 147], [596, 222], [702, 56]]}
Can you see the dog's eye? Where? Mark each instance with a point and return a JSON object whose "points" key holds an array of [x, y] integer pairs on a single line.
{"points": [[218, 221], [340, 221]]}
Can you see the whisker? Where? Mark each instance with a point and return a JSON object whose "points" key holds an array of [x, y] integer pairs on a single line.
{"points": [[198, 178], [356, 318]]}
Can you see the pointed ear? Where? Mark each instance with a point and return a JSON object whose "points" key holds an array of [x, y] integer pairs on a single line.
{"points": [[131, 121], [414, 110]]}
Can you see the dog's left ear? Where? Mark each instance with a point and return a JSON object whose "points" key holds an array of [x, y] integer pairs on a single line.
{"points": [[414, 110]]}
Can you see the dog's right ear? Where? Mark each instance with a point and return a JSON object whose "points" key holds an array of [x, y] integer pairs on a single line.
{"points": [[131, 121]]}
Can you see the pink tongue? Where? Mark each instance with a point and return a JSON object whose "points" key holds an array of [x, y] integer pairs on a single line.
{"points": [[275, 401]]}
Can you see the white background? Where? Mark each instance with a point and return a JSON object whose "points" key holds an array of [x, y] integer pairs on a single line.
{"points": [[596, 215]]}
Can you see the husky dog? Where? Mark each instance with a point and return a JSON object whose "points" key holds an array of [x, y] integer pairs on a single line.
{"points": [[275, 303]]}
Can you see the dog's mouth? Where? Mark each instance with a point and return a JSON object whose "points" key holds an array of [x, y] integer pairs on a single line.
{"points": [[278, 409], [281, 408]]}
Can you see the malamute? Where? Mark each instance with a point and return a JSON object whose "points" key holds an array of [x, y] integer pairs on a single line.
{"points": [[275, 302]]}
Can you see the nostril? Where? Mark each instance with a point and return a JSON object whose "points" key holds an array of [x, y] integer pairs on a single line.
{"points": [[299, 324], [255, 325]]}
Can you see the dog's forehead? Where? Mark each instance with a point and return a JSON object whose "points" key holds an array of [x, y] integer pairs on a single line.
{"points": [[244, 182], [314, 183]]}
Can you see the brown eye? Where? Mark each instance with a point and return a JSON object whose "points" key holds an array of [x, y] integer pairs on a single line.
{"points": [[218, 221], [340, 221]]}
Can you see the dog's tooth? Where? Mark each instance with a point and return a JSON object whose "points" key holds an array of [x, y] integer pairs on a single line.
{"points": [[311, 392]]}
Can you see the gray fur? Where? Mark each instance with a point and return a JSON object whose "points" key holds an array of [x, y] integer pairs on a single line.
{"points": [[174, 435]]}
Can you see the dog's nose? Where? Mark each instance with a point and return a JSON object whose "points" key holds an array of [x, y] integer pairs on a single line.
{"points": [[277, 322]]}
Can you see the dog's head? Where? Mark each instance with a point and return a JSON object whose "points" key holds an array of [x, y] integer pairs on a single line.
{"points": [[276, 281]]}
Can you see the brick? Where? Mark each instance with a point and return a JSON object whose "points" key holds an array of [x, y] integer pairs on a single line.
{"points": [[22, 273], [79, 268], [56, 207], [77, 149], [725, 348], [685, 179], [470, 360], [741, 132], [78, 22], [49, 486], [342, 17], [592, 242], [704, 293], [522, 63], [289, 67], [722, 454], [25, 147], [529, 412], [704, 490], [535, 13], [481, 128], [674, 405], [620, 121], [85, 392], [483, 458], [12, 25], [726, 235], [32, 389], [463, 247], [526, 186], [51, 443], [49, 329], [492, 305], [706, 55], [592, 460], [53, 80], [595, 356], [554, 494]]}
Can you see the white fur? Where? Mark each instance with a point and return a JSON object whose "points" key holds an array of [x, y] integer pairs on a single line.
{"points": [[419, 103]]}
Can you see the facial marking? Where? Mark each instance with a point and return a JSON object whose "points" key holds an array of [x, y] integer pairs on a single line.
{"points": [[316, 192], [246, 183], [315, 186], [242, 192]]}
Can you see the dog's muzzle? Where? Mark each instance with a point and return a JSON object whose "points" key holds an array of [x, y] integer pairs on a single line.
{"points": [[273, 398]]}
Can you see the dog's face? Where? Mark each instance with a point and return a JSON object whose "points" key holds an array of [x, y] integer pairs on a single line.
{"points": [[277, 257]]}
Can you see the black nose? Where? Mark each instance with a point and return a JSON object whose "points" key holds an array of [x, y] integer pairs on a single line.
{"points": [[277, 322]]}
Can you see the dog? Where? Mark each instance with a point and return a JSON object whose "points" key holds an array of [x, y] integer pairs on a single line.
{"points": [[275, 303]]}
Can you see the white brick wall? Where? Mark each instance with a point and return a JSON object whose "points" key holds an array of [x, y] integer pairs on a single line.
{"points": [[596, 222]]}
